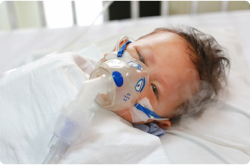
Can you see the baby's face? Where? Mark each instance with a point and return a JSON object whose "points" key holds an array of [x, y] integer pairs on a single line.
{"points": [[172, 76]]}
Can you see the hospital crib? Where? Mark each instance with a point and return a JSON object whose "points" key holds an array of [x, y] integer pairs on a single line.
{"points": [[214, 131], [13, 13]]}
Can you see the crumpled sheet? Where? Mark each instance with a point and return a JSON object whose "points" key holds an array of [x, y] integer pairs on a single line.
{"points": [[150, 128], [30, 102]]}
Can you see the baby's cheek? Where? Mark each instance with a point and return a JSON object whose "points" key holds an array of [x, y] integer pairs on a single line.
{"points": [[150, 95], [125, 114], [159, 109]]}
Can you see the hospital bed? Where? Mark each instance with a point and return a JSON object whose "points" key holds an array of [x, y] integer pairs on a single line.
{"points": [[223, 134]]}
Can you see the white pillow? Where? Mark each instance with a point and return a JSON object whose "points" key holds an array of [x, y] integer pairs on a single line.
{"points": [[227, 123]]}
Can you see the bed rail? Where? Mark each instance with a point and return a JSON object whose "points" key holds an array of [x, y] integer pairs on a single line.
{"points": [[165, 8]]}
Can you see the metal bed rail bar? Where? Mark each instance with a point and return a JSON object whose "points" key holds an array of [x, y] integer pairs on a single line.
{"points": [[134, 11]]}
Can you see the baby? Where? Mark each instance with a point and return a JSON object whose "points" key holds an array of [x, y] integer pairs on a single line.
{"points": [[187, 70]]}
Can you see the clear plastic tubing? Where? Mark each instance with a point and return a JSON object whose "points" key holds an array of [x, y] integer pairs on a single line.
{"points": [[76, 116]]}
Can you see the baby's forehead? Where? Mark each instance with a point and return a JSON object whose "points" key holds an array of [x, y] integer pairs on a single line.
{"points": [[161, 43], [176, 68], [164, 41], [163, 35]]}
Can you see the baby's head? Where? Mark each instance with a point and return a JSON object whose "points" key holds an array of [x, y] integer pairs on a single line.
{"points": [[186, 72]]}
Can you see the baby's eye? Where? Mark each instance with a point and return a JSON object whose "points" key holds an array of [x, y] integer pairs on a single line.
{"points": [[141, 57], [155, 90]]}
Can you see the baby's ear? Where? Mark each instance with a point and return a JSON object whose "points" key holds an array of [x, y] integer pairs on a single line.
{"points": [[163, 123]]}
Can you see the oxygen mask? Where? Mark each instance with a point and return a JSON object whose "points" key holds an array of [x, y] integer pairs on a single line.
{"points": [[130, 78], [127, 90]]}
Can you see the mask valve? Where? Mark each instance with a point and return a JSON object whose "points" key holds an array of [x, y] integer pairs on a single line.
{"points": [[118, 79]]}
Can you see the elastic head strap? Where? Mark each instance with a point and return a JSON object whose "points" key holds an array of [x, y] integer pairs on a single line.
{"points": [[146, 111], [120, 52]]}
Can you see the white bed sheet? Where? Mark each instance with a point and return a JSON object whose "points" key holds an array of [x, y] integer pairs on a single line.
{"points": [[30, 101], [230, 28]]}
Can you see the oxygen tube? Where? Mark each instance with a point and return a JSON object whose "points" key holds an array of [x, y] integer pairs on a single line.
{"points": [[242, 148], [75, 117]]}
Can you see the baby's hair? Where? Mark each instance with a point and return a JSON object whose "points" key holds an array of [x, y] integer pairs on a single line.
{"points": [[211, 63]]}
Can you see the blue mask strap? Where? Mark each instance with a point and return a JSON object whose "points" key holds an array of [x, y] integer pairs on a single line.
{"points": [[120, 52], [146, 111]]}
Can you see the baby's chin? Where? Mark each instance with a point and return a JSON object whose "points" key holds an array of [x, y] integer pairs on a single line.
{"points": [[125, 114]]}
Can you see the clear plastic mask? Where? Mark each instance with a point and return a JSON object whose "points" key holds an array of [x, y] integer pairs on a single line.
{"points": [[130, 79]]}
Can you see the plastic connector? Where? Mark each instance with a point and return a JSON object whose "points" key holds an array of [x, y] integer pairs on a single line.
{"points": [[57, 148]]}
